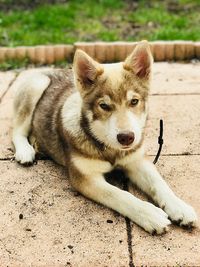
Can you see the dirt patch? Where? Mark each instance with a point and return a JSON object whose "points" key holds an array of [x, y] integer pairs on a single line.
{"points": [[6, 5]]}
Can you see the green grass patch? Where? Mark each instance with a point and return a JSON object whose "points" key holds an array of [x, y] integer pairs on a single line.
{"points": [[162, 24], [106, 20], [59, 23], [14, 64], [25, 63]]}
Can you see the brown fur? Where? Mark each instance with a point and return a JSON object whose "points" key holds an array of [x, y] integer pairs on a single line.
{"points": [[46, 124]]}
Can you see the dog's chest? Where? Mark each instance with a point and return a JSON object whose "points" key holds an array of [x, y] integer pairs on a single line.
{"points": [[115, 157]]}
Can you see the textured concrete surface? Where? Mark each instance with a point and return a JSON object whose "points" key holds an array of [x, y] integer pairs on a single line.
{"points": [[5, 81], [43, 222], [6, 113], [176, 78], [58, 226], [180, 114], [179, 247]]}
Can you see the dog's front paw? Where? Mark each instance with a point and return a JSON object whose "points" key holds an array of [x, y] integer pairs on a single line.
{"points": [[180, 212], [154, 220], [25, 155]]}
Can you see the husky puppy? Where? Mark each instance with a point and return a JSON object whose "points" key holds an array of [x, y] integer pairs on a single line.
{"points": [[91, 119]]}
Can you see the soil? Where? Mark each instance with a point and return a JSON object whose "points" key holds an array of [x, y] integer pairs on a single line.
{"points": [[6, 5], [171, 5]]}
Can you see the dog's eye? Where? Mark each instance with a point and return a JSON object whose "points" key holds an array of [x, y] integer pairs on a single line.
{"points": [[104, 106], [134, 102]]}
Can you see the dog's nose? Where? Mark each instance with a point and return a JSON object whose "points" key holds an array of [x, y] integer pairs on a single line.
{"points": [[126, 138]]}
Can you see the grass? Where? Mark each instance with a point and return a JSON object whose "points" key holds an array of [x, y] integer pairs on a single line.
{"points": [[40, 22], [14, 64], [25, 63], [107, 20], [181, 24]]}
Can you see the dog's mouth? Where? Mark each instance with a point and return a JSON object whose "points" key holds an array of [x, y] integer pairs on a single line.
{"points": [[126, 147]]}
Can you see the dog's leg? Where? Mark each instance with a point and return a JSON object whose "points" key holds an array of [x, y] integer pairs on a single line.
{"points": [[145, 175], [24, 152], [95, 187], [28, 91]]}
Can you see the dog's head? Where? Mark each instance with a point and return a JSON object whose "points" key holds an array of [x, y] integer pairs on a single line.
{"points": [[114, 96]]}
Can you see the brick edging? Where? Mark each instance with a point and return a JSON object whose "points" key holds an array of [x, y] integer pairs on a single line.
{"points": [[102, 51]]}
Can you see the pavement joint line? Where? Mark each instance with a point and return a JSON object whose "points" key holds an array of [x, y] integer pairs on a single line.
{"points": [[5, 159], [35, 163], [129, 241], [150, 155], [175, 155], [9, 85], [173, 94], [128, 229]]}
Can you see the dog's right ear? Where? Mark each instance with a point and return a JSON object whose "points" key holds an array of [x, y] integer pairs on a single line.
{"points": [[86, 69]]}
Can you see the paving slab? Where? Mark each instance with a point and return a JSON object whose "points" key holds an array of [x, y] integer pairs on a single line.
{"points": [[181, 124], [179, 247], [6, 115], [175, 78], [57, 228], [6, 79], [43, 222]]}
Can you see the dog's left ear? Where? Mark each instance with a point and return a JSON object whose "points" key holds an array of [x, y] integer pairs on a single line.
{"points": [[140, 61]]}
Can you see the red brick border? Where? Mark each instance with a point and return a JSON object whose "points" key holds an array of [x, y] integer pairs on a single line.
{"points": [[102, 51]]}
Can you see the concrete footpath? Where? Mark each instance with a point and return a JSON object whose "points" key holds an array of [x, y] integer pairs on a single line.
{"points": [[44, 222]]}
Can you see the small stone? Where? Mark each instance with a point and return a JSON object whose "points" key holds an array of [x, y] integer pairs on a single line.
{"points": [[150, 24], [76, 194], [21, 216]]}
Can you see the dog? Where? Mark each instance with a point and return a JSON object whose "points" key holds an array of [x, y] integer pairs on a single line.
{"points": [[91, 120]]}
